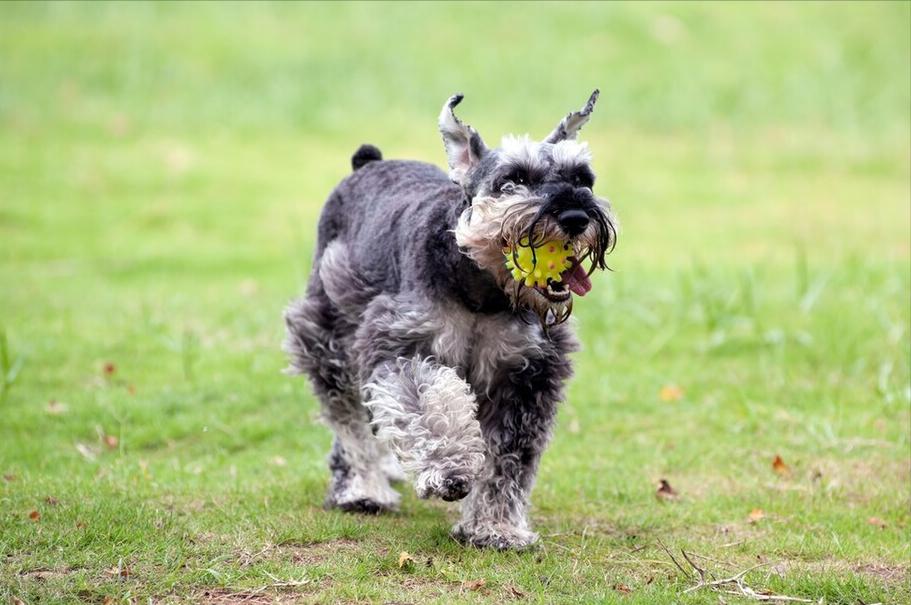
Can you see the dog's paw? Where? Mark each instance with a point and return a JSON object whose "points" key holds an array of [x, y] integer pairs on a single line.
{"points": [[363, 506], [356, 494], [498, 537], [450, 487]]}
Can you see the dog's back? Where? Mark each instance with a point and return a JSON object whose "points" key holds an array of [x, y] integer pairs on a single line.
{"points": [[384, 222]]}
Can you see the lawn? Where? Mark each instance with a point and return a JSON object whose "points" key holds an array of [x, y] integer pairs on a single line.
{"points": [[162, 167]]}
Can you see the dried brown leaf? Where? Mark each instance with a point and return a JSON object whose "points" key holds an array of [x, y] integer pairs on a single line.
{"points": [[121, 570], [665, 491], [670, 392], [34, 516], [877, 522], [474, 584], [756, 515], [9, 477], [623, 588], [779, 466], [109, 368], [86, 451], [111, 442], [56, 408], [52, 501], [405, 559]]}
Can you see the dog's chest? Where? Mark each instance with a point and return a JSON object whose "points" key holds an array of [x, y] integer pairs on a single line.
{"points": [[482, 348]]}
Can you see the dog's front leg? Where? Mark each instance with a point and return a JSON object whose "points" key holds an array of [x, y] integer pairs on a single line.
{"points": [[516, 421], [427, 415]]}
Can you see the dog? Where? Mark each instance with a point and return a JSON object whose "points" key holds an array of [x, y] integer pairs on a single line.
{"points": [[429, 358]]}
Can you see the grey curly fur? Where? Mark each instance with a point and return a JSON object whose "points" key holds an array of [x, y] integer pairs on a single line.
{"points": [[425, 355]]}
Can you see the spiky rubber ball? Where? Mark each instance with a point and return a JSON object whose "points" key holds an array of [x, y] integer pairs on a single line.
{"points": [[548, 261]]}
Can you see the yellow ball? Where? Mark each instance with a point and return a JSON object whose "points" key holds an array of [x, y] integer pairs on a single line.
{"points": [[547, 261]]}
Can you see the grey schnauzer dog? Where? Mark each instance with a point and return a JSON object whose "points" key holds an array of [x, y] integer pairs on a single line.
{"points": [[426, 354]]}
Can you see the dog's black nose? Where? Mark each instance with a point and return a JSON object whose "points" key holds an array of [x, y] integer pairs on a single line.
{"points": [[573, 222]]}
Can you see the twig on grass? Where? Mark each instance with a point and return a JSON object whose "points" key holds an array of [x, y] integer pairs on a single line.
{"points": [[736, 579], [698, 569], [257, 593], [728, 584], [679, 566], [279, 583]]}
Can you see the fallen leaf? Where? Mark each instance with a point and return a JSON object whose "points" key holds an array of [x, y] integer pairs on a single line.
{"points": [[34, 516], [52, 501], [248, 287], [665, 491], [279, 461], [474, 584], [110, 441], [56, 408], [121, 570], [405, 559], [109, 369], [877, 522], [87, 452], [178, 158], [756, 515], [9, 478], [623, 588], [108, 601], [80, 525], [780, 467], [670, 392], [119, 125], [515, 591]]}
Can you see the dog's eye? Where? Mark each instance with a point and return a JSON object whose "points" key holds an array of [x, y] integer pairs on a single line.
{"points": [[517, 177], [581, 179]]}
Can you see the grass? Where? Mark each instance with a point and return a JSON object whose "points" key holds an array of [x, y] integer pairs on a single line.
{"points": [[161, 170]]}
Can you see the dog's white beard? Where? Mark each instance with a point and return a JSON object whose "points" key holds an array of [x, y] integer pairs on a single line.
{"points": [[489, 225]]}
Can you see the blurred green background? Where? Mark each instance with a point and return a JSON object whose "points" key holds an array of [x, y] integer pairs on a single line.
{"points": [[162, 167]]}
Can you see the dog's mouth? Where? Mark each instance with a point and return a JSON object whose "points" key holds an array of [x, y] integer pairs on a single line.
{"points": [[574, 280]]}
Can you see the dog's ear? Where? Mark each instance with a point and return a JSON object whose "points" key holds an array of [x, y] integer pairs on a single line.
{"points": [[572, 123], [464, 147]]}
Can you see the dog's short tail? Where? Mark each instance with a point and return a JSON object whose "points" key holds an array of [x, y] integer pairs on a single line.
{"points": [[365, 154]]}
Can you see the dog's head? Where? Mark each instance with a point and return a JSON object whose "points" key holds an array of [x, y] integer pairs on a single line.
{"points": [[527, 194]]}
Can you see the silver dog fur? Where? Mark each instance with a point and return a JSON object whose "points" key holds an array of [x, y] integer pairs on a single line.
{"points": [[426, 355]]}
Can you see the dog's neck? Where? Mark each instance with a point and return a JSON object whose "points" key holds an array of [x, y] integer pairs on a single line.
{"points": [[478, 290], [475, 287]]}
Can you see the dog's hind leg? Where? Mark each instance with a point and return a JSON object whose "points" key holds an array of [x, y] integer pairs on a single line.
{"points": [[317, 341]]}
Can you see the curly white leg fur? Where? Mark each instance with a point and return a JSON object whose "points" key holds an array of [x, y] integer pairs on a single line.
{"points": [[425, 413]]}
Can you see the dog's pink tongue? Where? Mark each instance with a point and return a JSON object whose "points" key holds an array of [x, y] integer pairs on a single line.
{"points": [[577, 280]]}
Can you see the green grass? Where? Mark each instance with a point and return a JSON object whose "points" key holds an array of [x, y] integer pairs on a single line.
{"points": [[161, 170]]}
